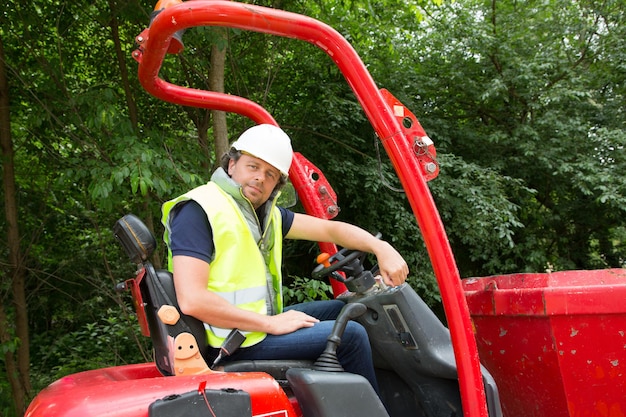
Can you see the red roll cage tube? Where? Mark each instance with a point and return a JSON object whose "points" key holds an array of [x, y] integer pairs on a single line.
{"points": [[400, 141]]}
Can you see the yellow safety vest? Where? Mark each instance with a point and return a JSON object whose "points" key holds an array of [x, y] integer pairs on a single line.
{"points": [[238, 272]]}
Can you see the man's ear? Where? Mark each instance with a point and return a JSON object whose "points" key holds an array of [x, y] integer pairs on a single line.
{"points": [[231, 166]]}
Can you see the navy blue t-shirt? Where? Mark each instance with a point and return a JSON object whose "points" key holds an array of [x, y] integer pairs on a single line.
{"points": [[192, 235]]}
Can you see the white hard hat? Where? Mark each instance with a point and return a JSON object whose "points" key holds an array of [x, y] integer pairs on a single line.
{"points": [[269, 143]]}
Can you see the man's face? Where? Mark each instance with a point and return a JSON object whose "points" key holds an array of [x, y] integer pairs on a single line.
{"points": [[256, 177]]}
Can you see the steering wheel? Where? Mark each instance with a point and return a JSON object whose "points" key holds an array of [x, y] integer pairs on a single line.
{"points": [[349, 261], [339, 261]]}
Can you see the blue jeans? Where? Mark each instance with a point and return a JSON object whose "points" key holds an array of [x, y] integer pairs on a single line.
{"points": [[354, 352]]}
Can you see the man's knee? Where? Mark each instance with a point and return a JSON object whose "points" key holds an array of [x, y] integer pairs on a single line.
{"points": [[326, 309], [355, 334]]}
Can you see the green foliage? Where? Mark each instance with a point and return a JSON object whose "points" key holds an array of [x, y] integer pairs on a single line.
{"points": [[476, 204], [524, 101], [304, 289], [519, 90], [7, 409], [114, 339]]}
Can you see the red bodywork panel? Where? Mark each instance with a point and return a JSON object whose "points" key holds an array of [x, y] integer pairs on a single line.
{"points": [[133, 284], [129, 390], [554, 342]]}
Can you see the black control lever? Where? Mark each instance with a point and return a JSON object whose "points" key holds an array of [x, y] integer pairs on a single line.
{"points": [[328, 359]]}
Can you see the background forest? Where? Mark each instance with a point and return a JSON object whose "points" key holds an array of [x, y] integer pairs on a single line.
{"points": [[523, 99]]}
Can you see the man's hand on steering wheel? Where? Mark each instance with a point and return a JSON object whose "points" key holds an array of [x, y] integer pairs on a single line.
{"points": [[393, 268], [391, 265]]}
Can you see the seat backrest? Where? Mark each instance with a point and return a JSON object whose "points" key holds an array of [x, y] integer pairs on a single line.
{"points": [[179, 341], [176, 337]]}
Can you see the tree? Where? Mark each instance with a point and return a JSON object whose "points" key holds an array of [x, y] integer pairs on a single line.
{"points": [[524, 101], [14, 337], [216, 83], [524, 90], [44, 137]]}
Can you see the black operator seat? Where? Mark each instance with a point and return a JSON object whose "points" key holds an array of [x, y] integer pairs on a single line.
{"points": [[179, 341]]}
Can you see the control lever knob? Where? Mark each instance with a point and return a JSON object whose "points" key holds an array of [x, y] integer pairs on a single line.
{"points": [[328, 359]]}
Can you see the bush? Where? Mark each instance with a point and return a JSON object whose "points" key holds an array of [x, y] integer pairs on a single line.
{"points": [[306, 289]]}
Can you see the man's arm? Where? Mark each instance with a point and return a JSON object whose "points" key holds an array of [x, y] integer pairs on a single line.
{"points": [[393, 267], [190, 279]]}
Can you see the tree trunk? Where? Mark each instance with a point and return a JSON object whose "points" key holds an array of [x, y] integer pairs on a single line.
{"points": [[216, 83], [133, 114], [17, 357], [121, 61]]}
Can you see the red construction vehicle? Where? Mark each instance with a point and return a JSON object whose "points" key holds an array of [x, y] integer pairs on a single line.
{"points": [[534, 331]]}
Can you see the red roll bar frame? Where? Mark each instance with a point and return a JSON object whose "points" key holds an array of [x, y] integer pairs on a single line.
{"points": [[154, 44]]}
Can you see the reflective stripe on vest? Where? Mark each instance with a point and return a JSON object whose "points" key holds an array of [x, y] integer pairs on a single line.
{"points": [[241, 283]]}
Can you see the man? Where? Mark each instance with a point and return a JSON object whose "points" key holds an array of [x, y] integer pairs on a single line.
{"points": [[225, 243]]}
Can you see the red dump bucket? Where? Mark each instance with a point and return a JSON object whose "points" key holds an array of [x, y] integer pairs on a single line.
{"points": [[554, 342]]}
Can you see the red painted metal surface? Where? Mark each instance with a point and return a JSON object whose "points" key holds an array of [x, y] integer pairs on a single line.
{"points": [[554, 342], [129, 390], [155, 44], [318, 198], [415, 136]]}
